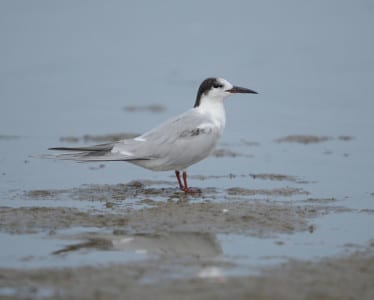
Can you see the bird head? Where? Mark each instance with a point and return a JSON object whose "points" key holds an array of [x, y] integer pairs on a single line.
{"points": [[217, 89]]}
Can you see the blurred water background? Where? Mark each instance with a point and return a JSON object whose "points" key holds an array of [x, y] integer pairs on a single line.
{"points": [[68, 68]]}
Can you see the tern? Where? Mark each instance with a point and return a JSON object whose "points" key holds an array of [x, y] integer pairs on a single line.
{"points": [[175, 144]]}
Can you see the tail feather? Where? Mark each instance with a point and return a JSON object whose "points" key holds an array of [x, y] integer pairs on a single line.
{"points": [[89, 156], [100, 152], [101, 147]]}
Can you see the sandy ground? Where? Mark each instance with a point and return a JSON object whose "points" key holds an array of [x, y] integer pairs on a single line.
{"points": [[348, 277], [180, 236], [234, 210]]}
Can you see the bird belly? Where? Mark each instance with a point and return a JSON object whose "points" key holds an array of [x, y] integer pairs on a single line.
{"points": [[178, 158]]}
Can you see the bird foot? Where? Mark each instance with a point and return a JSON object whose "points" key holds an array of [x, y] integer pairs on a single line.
{"points": [[183, 186], [191, 190]]}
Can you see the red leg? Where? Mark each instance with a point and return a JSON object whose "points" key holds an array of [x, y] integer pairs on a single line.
{"points": [[177, 174], [185, 181], [186, 188]]}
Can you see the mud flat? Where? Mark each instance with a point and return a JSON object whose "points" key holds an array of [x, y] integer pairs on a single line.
{"points": [[153, 108], [136, 207], [178, 240], [349, 277]]}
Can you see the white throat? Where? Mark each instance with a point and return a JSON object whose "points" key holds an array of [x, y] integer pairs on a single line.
{"points": [[214, 108]]}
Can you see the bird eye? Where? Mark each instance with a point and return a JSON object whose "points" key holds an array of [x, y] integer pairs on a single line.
{"points": [[217, 85]]}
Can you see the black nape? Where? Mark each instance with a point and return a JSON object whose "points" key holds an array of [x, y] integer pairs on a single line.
{"points": [[205, 87]]}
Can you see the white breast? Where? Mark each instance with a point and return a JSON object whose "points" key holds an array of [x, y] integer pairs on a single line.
{"points": [[215, 112]]}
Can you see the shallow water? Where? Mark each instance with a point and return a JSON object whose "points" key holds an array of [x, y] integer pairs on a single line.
{"points": [[312, 65]]}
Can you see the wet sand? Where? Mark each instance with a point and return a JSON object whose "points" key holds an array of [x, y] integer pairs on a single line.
{"points": [[179, 236], [345, 278], [152, 108], [311, 139], [215, 211], [348, 277]]}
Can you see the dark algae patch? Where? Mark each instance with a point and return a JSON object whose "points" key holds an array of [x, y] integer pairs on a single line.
{"points": [[154, 108], [286, 191], [303, 139], [312, 139]]}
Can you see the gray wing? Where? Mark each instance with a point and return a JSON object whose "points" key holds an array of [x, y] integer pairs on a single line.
{"points": [[190, 132], [180, 134]]}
